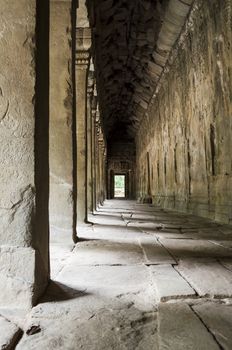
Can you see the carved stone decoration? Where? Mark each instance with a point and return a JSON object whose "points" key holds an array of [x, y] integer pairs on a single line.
{"points": [[83, 45], [82, 59]]}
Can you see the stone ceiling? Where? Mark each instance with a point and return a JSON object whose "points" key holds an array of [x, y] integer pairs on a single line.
{"points": [[132, 40]]}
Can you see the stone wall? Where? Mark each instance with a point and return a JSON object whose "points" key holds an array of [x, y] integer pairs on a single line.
{"points": [[184, 142], [61, 201]]}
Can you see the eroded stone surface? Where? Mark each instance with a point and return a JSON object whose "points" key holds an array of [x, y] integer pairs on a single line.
{"points": [[109, 328], [17, 276], [185, 134]]}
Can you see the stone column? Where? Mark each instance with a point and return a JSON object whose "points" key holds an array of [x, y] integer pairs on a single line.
{"points": [[24, 96], [97, 158], [89, 187], [94, 153], [101, 164], [105, 171], [82, 65], [61, 201], [100, 171]]}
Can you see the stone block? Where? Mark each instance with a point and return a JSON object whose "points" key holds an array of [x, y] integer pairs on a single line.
{"points": [[19, 282]]}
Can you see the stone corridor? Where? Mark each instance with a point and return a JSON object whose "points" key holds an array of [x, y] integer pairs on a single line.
{"points": [[140, 278], [115, 99]]}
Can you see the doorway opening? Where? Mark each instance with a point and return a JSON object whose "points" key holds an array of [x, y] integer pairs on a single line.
{"points": [[119, 186]]}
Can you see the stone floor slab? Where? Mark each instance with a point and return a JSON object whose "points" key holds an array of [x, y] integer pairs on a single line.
{"points": [[190, 248], [154, 252], [127, 283], [169, 284], [113, 233], [208, 278], [217, 318], [103, 252], [180, 329], [108, 329], [142, 225], [164, 233]]}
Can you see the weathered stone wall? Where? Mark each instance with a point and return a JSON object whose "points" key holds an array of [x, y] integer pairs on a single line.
{"points": [[184, 156], [24, 265], [61, 203]]}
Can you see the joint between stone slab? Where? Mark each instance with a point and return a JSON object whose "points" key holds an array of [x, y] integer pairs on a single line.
{"points": [[206, 327], [197, 295]]}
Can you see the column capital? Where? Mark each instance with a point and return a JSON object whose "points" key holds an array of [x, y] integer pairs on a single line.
{"points": [[82, 59], [83, 45]]}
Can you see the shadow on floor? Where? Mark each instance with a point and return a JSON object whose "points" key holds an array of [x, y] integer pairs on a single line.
{"points": [[57, 291]]}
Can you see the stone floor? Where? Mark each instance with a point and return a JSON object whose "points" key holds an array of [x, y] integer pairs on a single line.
{"points": [[140, 278]]}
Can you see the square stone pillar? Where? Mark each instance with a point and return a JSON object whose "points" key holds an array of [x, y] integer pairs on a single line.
{"points": [[61, 201], [97, 159], [82, 66], [89, 187], [102, 168], [101, 174], [24, 175], [94, 154]]}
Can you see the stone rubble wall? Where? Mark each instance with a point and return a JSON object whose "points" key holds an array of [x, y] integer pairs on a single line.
{"points": [[185, 138]]}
